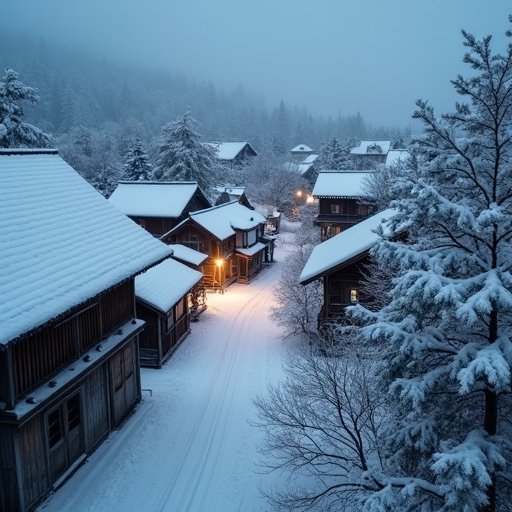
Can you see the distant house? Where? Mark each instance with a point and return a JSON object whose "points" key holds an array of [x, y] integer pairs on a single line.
{"points": [[306, 167], [340, 262], [231, 235], [370, 152], [300, 152], [340, 195], [69, 369], [158, 206], [233, 154], [162, 294], [228, 194]]}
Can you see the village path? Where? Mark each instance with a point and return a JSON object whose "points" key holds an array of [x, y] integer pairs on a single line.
{"points": [[190, 446]]}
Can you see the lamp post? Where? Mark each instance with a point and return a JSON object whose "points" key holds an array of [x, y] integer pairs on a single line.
{"points": [[219, 262]]}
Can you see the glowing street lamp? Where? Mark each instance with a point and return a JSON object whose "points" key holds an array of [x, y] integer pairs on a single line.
{"points": [[218, 263]]}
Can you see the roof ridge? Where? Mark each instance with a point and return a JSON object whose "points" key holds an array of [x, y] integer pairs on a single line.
{"points": [[216, 207], [28, 151], [151, 182]]}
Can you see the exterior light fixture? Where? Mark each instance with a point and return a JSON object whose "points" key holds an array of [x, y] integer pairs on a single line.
{"points": [[219, 262]]}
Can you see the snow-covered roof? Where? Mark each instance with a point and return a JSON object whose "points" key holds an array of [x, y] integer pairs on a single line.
{"points": [[165, 284], [221, 221], [153, 199], [251, 251], [232, 191], [340, 183], [62, 242], [397, 156], [371, 147], [341, 248], [228, 150], [301, 167], [301, 148], [309, 159], [188, 255]]}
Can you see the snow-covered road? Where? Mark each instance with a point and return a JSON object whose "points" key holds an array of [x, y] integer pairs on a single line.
{"points": [[190, 446]]}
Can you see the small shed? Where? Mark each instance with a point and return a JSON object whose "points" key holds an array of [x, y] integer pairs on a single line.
{"points": [[162, 302], [195, 260]]}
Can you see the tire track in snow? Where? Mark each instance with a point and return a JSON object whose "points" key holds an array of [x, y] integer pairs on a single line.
{"points": [[191, 478]]}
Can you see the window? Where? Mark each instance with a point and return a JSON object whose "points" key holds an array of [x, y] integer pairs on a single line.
{"points": [[169, 320], [251, 237], [336, 208], [180, 308], [193, 242], [354, 295], [55, 427]]}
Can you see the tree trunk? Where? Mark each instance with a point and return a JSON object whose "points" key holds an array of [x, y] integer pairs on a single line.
{"points": [[491, 415]]}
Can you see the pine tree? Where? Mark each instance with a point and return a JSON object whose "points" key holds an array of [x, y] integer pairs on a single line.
{"points": [[137, 166], [14, 132], [182, 157], [335, 155], [447, 330]]}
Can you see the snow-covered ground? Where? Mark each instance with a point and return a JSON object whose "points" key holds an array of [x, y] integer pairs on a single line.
{"points": [[190, 445]]}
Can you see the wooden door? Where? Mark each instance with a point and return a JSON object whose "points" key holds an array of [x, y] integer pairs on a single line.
{"points": [[65, 438]]}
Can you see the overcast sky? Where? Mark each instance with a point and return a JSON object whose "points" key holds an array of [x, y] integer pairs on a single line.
{"points": [[372, 56]]}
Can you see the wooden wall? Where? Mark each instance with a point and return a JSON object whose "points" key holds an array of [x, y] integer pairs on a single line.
{"points": [[9, 491], [337, 287], [40, 355]]}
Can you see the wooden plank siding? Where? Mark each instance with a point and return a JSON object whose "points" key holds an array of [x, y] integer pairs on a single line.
{"points": [[337, 286], [37, 357], [335, 214], [9, 490], [34, 469], [97, 414], [165, 333], [125, 377]]}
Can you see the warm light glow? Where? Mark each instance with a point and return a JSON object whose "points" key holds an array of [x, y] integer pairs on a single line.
{"points": [[299, 193], [310, 199], [219, 262]]}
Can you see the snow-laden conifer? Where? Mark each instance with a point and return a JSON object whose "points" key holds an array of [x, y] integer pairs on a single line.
{"points": [[335, 155], [138, 167], [183, 157], [14, 131], [446, 333]]}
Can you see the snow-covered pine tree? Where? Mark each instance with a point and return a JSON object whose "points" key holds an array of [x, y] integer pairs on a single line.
{"points": [[138, 166], [447, 331], [183, 157], [14, 131], [335, 155]]}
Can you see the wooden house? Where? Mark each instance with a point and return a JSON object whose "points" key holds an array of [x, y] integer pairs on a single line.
{"points": [[69, 370], [340, 262], [340, 201], [158, 206], [162, 294], [231, 235], [301, 152], [369, 153], [233, 154], [305, 167], [228, 194]]}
